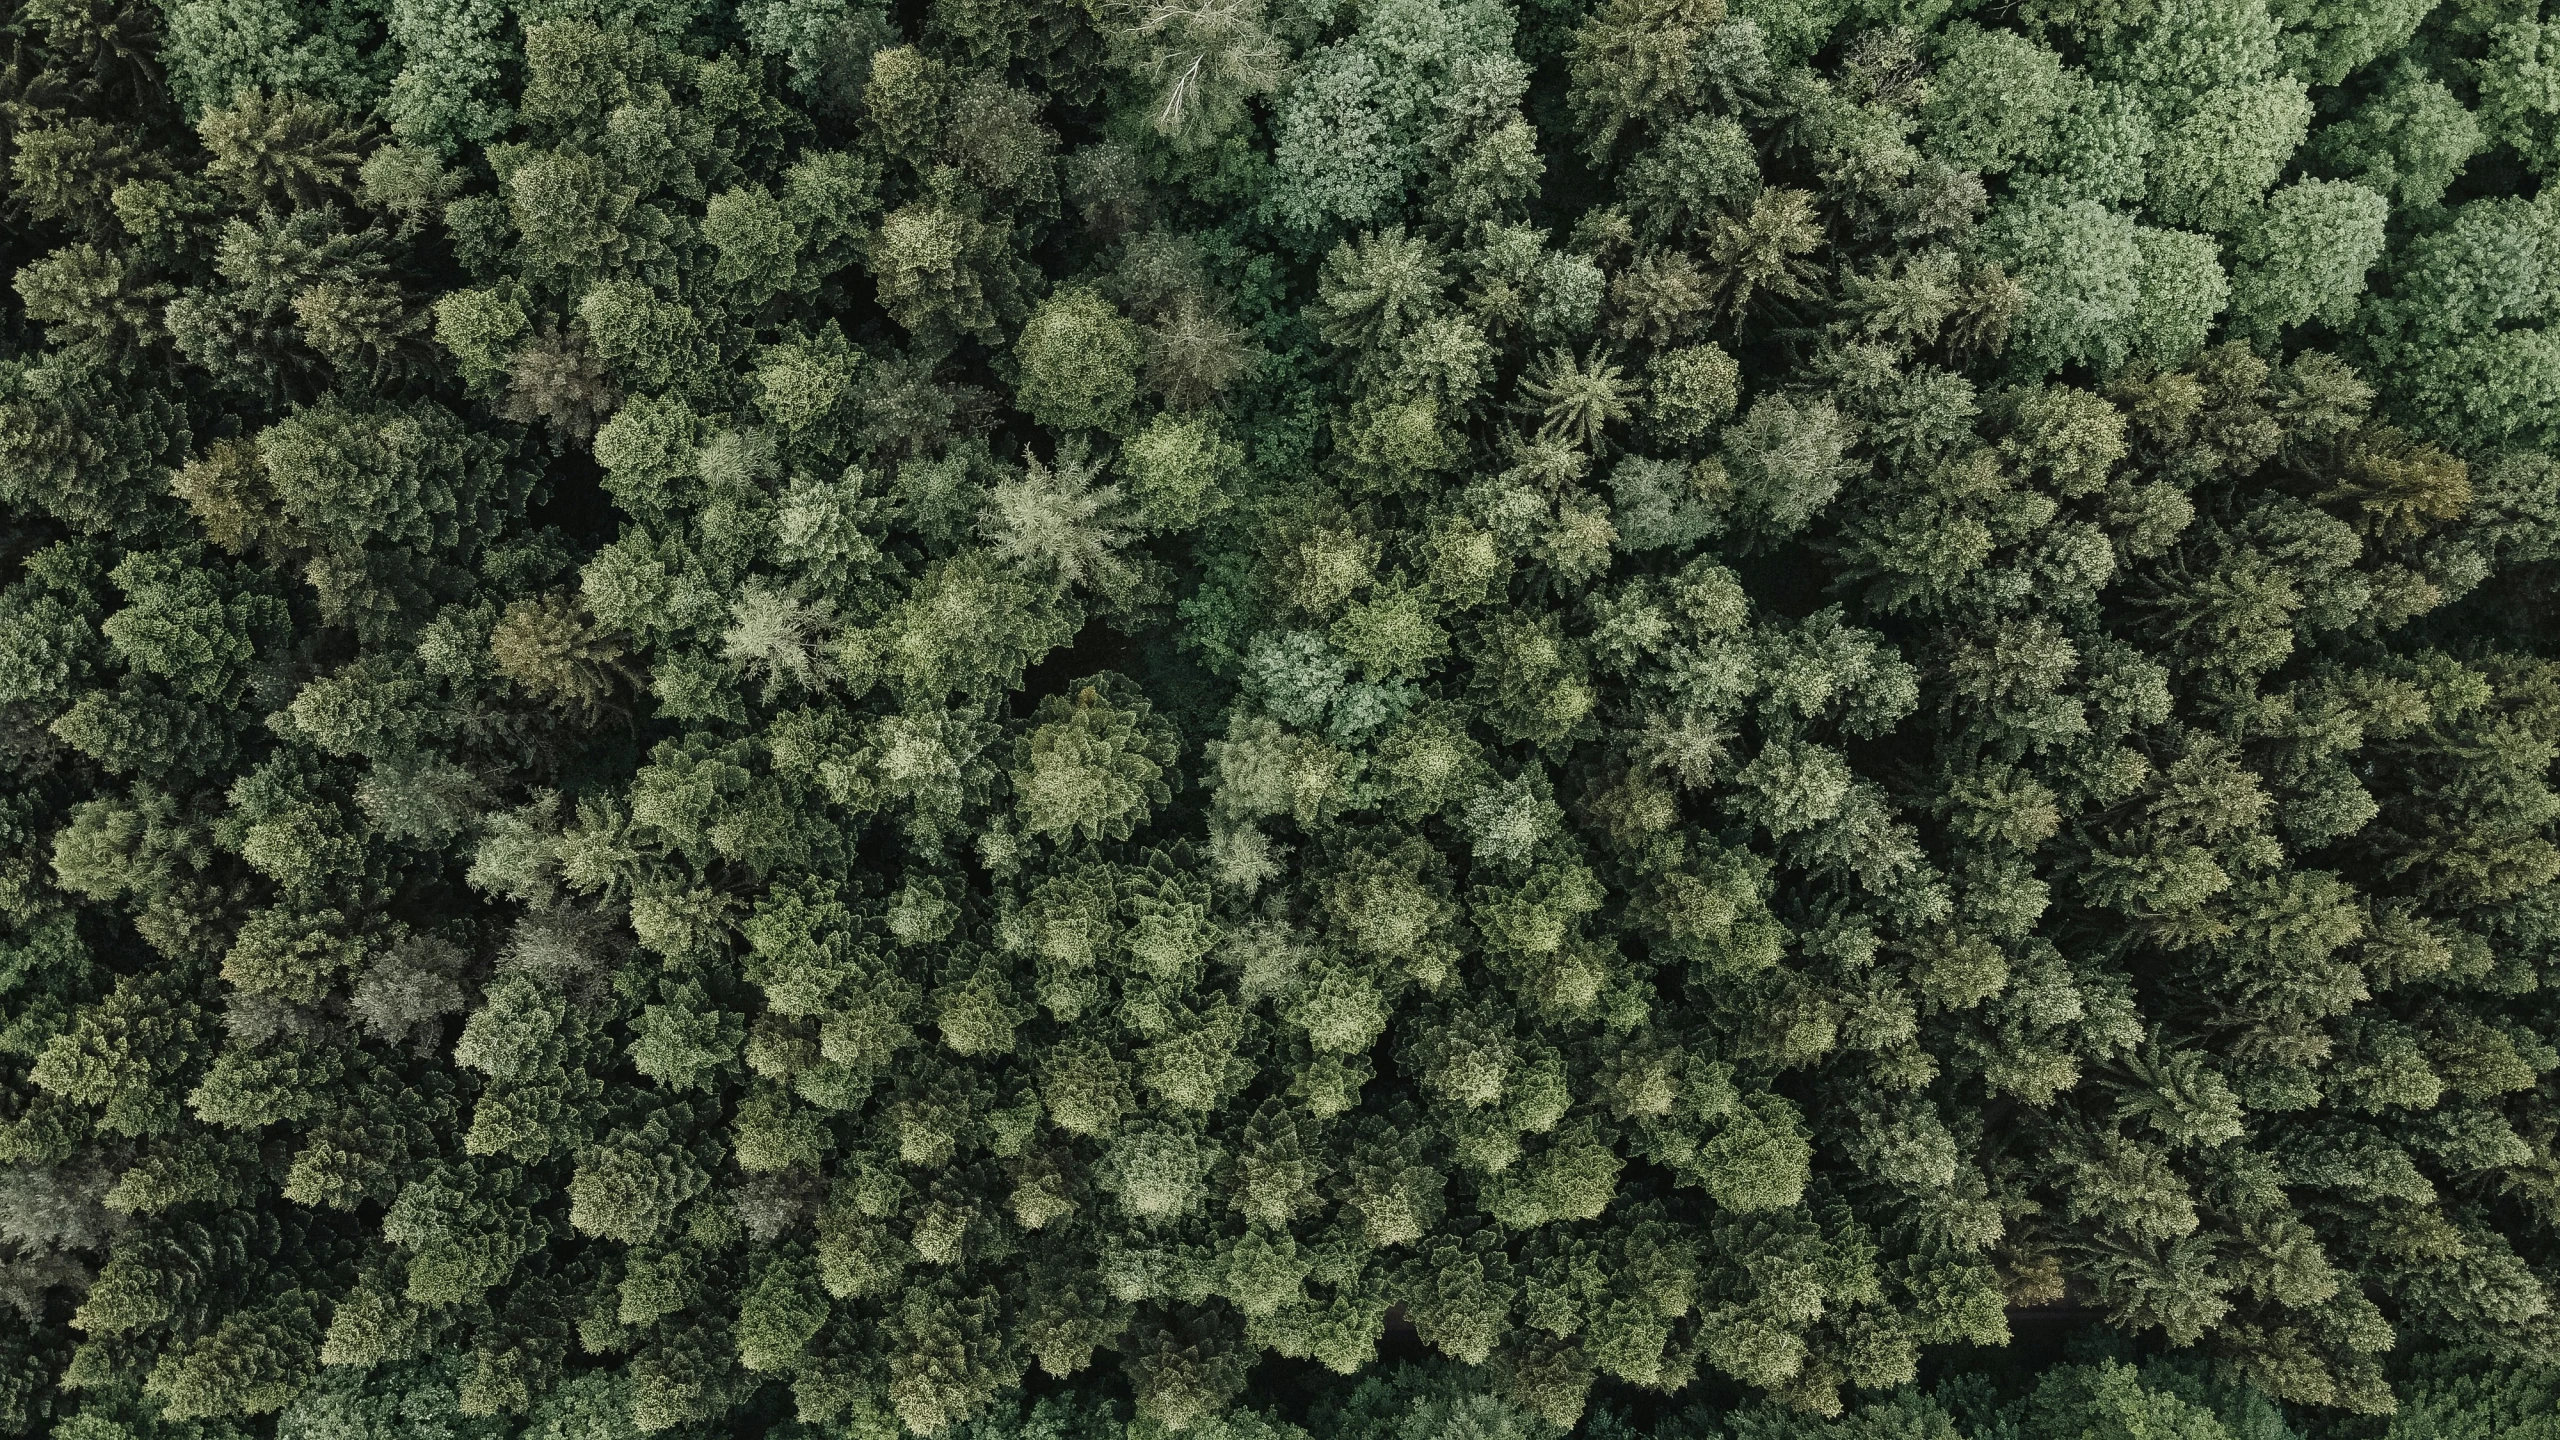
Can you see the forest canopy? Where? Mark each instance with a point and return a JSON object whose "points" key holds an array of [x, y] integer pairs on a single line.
{"points": [[1279, 719]]}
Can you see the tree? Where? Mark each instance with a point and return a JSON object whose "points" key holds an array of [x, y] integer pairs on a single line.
{"points": [[2409, 141], [2306, 255], [2457, 335], [1079, 363], [1633, 58], [1092, 764], [1349, 129], [1996, 100], [1204, 60]]}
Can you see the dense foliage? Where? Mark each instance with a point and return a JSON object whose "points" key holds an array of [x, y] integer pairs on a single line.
{"points": [[809, 716]]}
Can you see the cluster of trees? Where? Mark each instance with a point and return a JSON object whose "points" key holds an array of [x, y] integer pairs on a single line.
{"points": [[2097, 1397], [787, 715], [2091, 1395]]}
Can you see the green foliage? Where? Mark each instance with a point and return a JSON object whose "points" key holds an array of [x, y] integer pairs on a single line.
{"points": [[2305, 256], [1350, 133], [1092, 763], [217, 48], [1996, 99], [1079, 363], [1766, 690], [2409, 140], [1202, 61]]}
